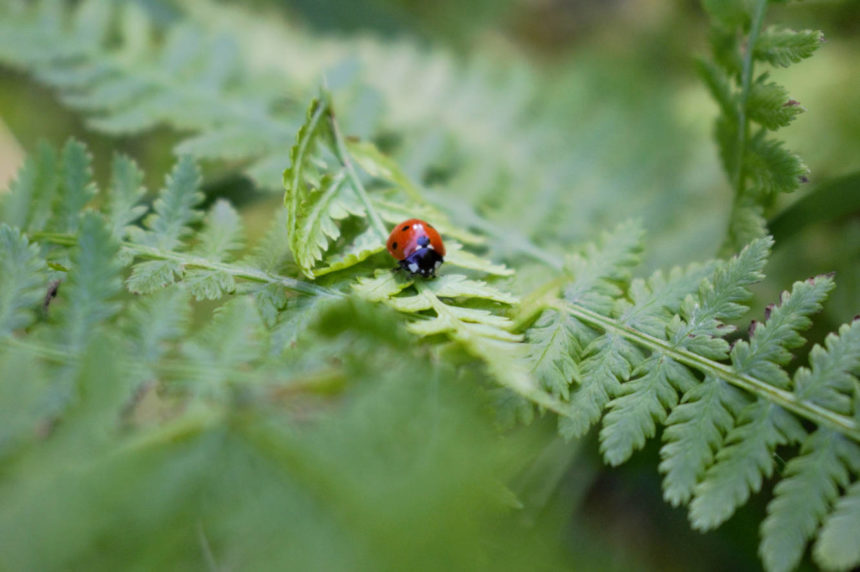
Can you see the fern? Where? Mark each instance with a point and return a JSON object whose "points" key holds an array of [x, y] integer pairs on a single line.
{"points": [[154, 398], [126, 71], [22, 280], [276, 384], [645, 343], [758, 168]]}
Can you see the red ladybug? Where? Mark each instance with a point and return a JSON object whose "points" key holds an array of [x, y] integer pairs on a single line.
{"points": [[417, 246]]}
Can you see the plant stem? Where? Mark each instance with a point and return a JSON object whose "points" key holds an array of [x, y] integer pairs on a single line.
{"points": [[191, 261], [343, 156], [746, 81], [784, 399]]}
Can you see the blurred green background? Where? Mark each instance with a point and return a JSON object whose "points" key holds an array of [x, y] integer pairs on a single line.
{"points": [[630, 125]]}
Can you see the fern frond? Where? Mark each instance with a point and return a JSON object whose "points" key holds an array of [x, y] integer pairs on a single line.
{"points": [[22, 280], [224, 345], [757, 167], [837, 546], [694, 431], [220, 238], [272, 252], [770, 106], [761, 426], [89, 294], [745, 457], [152, 321], [803, 497], [167, 226], [601, 267], [554, 349], [30, 199], [484, 334], [317, 195], [174, 209], [783, 47], [647, 398], [126, 192], [771, 168], [637, 405], [76, 186], [830, 380]]}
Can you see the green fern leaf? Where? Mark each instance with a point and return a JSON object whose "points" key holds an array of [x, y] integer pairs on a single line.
{"points": [[126, 191], [719, 299], [482, 333], [220, 238], [223, 346], [554, 349], [640, 404], [382, 286], [271, 300], [318, 195], [89, 294], [272, 253], [770, 341], [597, 276], [810, 483], [696, 427], [174, 209], [606, 366], [76, 186], [718, 84], [762, 426], [837, 545], [747, 222], [771, 168], [362, 247], [23, 281], [151, 275], [829, 381], [768, 104], [151, 321], [296, 318], [694, 431], [456, 256], [166, 227], [645, 401], [745, 457], [783, 47], [30, 199], [597, 271], [230, 143]]}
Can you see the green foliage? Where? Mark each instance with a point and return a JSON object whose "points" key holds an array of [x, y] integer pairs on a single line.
{"points": [[758, 168], [126, 402], [22, 276], [654, 353], [292, 360]]}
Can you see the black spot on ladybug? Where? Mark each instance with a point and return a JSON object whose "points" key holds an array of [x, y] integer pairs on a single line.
{"points": [[394, 245], [405, 227]]}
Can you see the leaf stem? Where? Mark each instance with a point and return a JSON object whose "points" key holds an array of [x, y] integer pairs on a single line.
{"points": [[343, 156], [191, 261], [785, 399], [746, 81]]}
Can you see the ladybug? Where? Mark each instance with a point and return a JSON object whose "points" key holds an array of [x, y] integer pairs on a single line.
{"points": [[417, 246]]}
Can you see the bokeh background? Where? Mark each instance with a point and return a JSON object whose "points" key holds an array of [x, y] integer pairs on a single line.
{"points": [[592, 112]]}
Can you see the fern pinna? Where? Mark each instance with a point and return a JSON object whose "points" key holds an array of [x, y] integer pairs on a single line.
{"points": [[758, 167], [643, 353], [594, 345]]}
